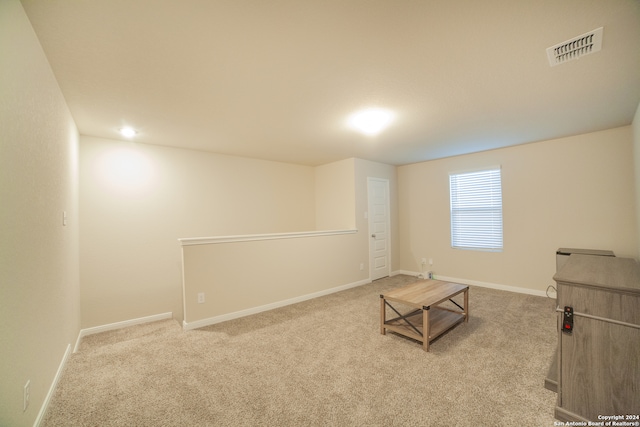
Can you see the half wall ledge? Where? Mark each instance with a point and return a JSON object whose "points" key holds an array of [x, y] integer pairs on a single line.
{"points": [[190, 241]]}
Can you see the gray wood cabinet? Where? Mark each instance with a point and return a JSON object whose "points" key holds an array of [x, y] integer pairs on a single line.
{"points": [[598, 363]]}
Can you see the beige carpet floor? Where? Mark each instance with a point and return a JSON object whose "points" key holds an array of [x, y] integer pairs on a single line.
{"points": [[321, 362]]}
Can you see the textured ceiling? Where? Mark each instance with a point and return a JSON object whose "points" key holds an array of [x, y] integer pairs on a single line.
{"points": [[277, 79]]}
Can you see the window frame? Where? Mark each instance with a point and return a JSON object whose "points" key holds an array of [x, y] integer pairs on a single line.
{"points": [[476, 219]]}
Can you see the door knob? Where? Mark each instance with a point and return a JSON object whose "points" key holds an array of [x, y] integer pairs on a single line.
{"points": [[373, 235]]}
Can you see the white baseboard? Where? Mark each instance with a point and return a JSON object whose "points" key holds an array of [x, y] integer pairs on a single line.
{"points": [[492, 286], [254, 310], [481, 284], [52, 388], [405, 272], [118, 325]]}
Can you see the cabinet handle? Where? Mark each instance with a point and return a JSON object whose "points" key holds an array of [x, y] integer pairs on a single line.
{"points": [[603, 319]]}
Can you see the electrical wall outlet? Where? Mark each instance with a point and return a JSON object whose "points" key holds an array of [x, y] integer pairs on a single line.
{"points": [[424, 261], [26, 395], [201, 298], [430, 261], [361, 266]]}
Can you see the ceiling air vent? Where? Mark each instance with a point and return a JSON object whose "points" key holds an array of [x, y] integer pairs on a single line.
{"points": [[585, 44]]}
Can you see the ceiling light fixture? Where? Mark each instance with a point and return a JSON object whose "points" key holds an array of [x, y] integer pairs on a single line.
{"points": [[128, 132], [371, 121]]}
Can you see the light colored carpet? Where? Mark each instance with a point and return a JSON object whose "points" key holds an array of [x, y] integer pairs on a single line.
{"points": [[322, 362]]}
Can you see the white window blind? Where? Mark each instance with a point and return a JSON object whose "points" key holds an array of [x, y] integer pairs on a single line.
{"points": [[476, 210]]}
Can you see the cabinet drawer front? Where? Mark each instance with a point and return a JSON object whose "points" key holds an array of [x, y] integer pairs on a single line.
{"points": [[612, 305]]}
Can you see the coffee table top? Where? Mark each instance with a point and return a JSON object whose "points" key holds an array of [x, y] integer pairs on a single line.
{"points": [[424, 293]]}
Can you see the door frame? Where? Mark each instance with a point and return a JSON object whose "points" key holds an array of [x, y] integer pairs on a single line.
{"points": [[370, 222]]}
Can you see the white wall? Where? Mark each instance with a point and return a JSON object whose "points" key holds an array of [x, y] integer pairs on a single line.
{"points": [[131, 220], [575, 192], [241, 277], [335, 196], [39, 285], [342, 202]]}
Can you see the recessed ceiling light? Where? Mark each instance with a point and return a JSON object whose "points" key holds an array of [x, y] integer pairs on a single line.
{"points": [[128, 132], [371, 121]]}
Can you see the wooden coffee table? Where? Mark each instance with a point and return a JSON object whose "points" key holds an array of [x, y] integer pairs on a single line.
{"points": [[427, 321]]}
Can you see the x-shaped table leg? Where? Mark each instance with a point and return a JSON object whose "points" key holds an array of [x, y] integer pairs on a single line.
{"points": [[404, 317]]}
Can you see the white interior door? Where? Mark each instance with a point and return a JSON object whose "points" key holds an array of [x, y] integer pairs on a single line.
{"points": [[378, 193]]}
